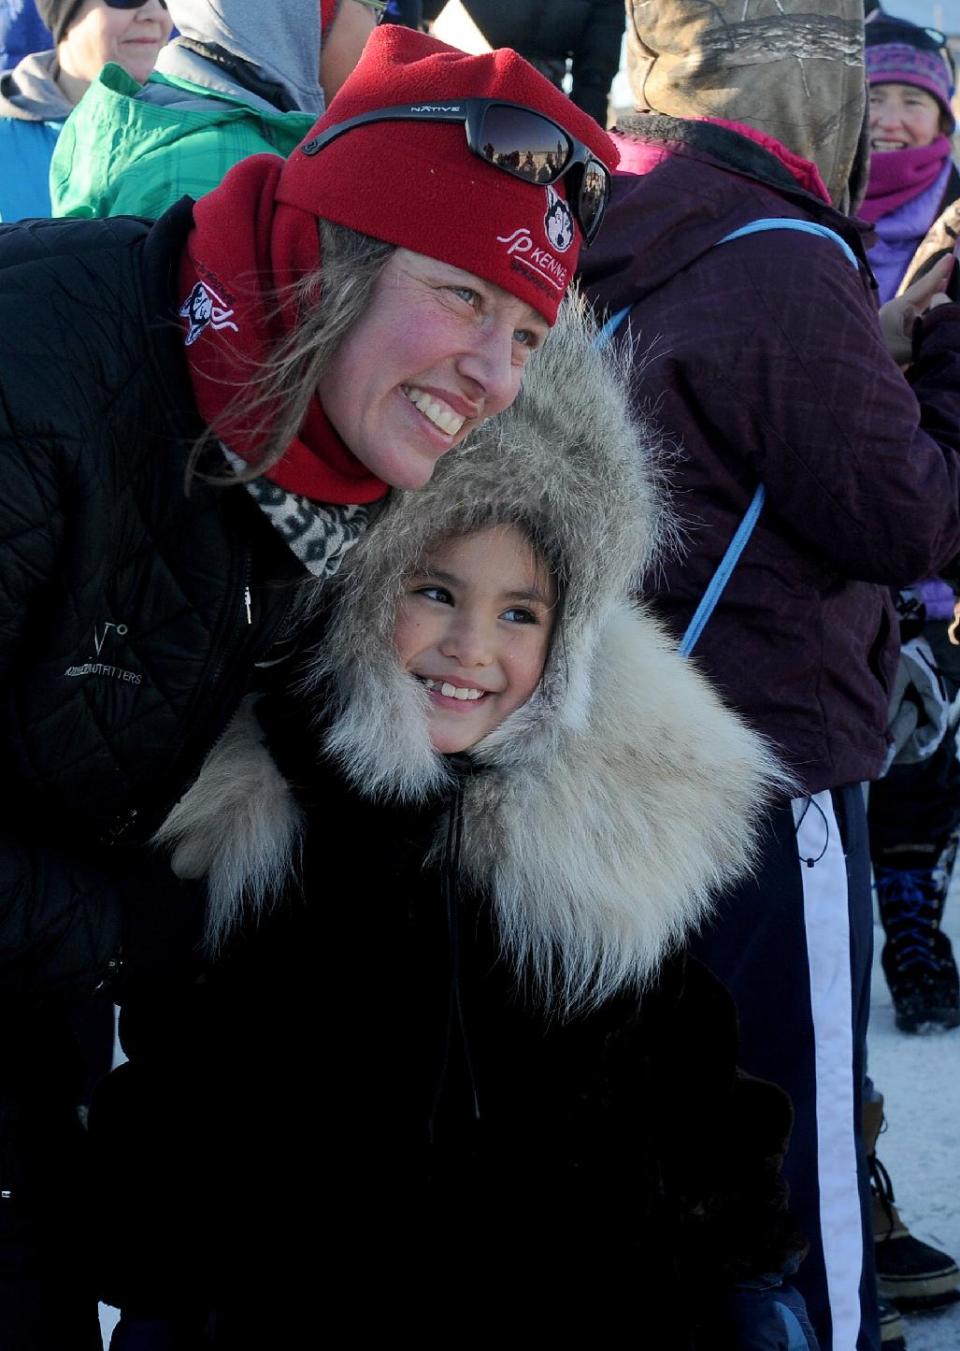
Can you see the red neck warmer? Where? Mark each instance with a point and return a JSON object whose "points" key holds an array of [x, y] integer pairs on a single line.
{"points": [[897, 176], [244, 248]]}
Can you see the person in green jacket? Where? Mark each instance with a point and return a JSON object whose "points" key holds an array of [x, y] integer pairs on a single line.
{"points": [[241, 79], [38, 94]]}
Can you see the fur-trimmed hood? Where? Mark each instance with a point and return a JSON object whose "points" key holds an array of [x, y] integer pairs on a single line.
{"points": [[613, 805]]}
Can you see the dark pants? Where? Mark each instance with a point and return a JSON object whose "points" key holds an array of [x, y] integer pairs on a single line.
{"points": [[794, 946]]}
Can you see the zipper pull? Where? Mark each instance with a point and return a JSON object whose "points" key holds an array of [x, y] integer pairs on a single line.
{"points": [[248, 604], [119, 826]]}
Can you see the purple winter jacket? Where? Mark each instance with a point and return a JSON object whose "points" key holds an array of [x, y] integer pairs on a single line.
{"points": [[763, 358]]}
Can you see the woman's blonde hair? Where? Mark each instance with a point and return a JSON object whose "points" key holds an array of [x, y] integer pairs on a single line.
{"points": [[272, 403]]}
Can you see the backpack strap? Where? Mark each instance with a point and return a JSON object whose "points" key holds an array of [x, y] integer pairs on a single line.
{"points": [[807, 227], [717, 583]]}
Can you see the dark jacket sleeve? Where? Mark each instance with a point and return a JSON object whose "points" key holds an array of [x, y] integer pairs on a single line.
{"points": [[596, 58], [58, 914], [793, 367]]}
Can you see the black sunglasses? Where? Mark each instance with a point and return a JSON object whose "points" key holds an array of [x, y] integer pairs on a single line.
{"points": [[521, 142], [130, 4]]}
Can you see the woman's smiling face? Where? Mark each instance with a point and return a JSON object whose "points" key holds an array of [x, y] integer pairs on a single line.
{"points": [[437, 351], [473, 626], [902, 117], [132, 38]]}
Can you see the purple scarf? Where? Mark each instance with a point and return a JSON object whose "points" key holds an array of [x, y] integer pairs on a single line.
{"points": [[899, 175], [901, 233]]}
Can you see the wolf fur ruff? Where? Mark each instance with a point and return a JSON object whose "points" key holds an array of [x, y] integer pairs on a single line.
{"points": [[612, 806]]}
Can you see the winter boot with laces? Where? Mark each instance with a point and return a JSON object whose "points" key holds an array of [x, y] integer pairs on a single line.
{"points": [[910, 1274], [917, 958]]}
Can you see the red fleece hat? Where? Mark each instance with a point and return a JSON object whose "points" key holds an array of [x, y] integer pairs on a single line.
{"points": [[418, 186]]}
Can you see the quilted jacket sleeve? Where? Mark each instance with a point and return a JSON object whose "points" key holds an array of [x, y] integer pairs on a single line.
{"points": [[58, 914]]}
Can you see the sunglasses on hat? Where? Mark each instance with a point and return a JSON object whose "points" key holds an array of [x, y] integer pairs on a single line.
{"points": [[510, 137]]}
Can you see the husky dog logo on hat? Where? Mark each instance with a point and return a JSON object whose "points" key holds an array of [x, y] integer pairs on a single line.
{"points": [[558, 222], [202, 307]]}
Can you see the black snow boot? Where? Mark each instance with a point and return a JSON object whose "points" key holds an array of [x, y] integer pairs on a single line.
{"points": [[911, 1274]]}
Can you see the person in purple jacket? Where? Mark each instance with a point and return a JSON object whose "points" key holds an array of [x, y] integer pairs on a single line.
{"points": [[915, 810], [765, 360]]}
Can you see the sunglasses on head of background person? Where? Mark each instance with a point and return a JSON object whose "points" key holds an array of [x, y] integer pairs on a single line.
{"points": [[512, 138], [71, 13]]}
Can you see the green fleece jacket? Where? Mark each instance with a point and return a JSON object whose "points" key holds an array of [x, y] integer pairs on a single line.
{"points": [[123, 154]]}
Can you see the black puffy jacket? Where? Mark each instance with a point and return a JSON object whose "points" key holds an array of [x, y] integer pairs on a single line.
{"points": [[126, 636], [548, 31]]}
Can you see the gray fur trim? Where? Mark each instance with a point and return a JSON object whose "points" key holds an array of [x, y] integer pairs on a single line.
{"points": [[569, 463], [606, 846], [623, 795], [239, 825]]}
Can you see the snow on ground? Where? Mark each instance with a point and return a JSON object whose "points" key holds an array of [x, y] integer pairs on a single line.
{"points": [[920, 1080]]}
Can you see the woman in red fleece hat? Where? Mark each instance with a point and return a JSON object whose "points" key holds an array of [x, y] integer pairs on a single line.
{"points": [[196, 417]]}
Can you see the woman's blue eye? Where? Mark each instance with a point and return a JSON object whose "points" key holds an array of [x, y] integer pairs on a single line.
{"points": [[437, 593], [466, 293], [516, 615]]}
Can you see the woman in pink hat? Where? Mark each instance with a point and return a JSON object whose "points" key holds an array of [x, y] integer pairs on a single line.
{"points": [[912, 202], [198, 418]]}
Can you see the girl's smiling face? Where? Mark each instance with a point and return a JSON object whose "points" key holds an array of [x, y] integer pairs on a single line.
{"points": [[902, 117], [474, 626]]}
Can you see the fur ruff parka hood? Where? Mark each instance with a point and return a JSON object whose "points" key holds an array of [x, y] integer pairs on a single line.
{"points": [[603, 815]]}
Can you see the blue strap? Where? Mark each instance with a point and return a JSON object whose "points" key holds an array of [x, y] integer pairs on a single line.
{"points": [[807, 227], [611, 326], [708, 601], [710, 597]]}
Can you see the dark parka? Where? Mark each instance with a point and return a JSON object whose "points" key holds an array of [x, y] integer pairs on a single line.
{"points": [[767, 363], [124, 644], [341, 1114]]}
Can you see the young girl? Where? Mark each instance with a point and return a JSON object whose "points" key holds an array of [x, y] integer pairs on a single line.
{"points": [[462, 1063]]}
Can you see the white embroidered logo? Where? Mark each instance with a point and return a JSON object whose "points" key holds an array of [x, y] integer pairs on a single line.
{"points": [[558, 222], [104, 668], [100, 638], [204, 307]]}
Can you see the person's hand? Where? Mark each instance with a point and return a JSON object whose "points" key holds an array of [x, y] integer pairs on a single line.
{"points": [[898, 316]]}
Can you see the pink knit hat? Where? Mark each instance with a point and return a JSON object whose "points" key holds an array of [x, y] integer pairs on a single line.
{"points": [[898, 52]]}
